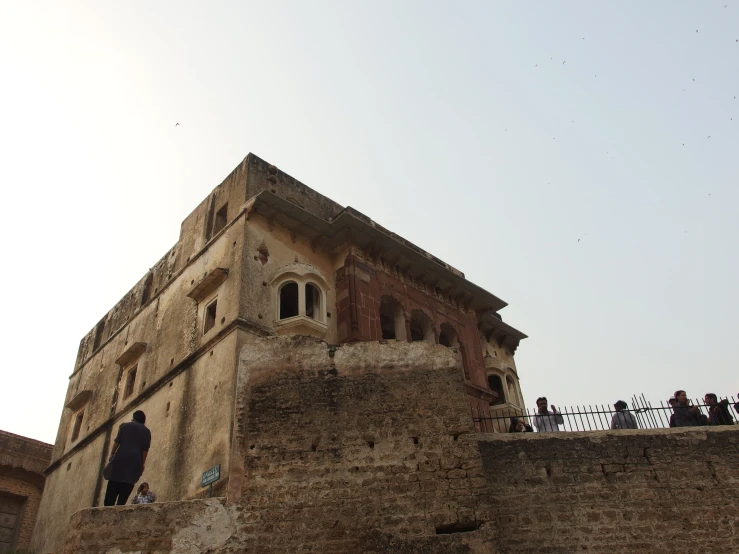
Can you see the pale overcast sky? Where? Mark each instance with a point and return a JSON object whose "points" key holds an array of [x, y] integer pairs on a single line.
{"points": [[577, 159]]}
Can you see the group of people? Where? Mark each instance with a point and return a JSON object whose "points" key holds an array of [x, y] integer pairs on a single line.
{"points": [[127, 462], [684, 415]]}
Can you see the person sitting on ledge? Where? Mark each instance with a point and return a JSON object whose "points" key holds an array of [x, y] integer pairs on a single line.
{"points": [[144, 495], [519, 426], [623, 418]]}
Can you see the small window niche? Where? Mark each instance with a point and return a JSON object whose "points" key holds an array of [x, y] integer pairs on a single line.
{"points": [[221, 219], [495, 384], [289, 300], [421, 327], [313, 302], [448, 336], [99, 330], [209, 319], [130, 382], [77, 424], [392, 321]]}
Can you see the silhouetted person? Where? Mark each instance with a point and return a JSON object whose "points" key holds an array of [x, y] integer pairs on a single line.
{"points": [[623, 418], [130, 448], [718, 412], [672, 402]]}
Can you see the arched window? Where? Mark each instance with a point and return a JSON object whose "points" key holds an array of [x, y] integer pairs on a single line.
{"points": [[313, 302], [392, 321], [495, 384], [421, 328], [300, 300], [288, 300], [448, 336]]}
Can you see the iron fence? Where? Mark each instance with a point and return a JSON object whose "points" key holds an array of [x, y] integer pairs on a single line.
{"points": [[596, 417]]}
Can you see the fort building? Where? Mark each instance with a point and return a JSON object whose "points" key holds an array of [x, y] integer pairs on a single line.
{"points": [[262, 257]]}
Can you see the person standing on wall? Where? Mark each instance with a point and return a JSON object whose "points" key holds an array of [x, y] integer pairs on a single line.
{"points": [[130, 448], [718, 412], [623, 418], [546, 421], [685, 414]]}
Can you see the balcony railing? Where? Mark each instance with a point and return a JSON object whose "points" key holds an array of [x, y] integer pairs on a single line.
{"points": [[598, 417]]}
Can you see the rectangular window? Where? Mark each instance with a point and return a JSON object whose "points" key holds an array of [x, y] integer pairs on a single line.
{"points": [[221, 218], [77, 425], [130, 382], [210, 316]]}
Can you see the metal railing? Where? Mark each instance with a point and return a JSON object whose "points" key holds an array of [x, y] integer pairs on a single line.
{"points": [[596, 417]]}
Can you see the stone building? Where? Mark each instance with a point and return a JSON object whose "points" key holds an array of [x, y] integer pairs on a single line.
{"points": [[262, 255], [22, 465]]}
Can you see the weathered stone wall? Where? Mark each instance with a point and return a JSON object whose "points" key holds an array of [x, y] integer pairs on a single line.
{"points": [[369, 448], [187, 527], [365, 433], [184, 383], [658, 491]]}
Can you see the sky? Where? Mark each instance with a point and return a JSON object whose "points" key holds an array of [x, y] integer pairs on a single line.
{"points": [[578, 159]]}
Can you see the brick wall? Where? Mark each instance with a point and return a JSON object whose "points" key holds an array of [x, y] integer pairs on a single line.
{"points": [[22, 461], [360, 285], [369, 448], [20, 483]]}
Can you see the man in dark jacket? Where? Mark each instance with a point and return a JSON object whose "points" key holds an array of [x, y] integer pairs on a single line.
{"points": [[130, 448], [685, 414], [718, 412]]}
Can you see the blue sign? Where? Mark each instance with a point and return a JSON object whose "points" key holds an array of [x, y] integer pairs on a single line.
{"points": [[211, 476]]}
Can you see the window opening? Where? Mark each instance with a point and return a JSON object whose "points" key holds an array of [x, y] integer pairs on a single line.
{"points": [[421, 327], [392, 322], [147, 289], [210, 316], [448, 336], [289, 300], [496, 385], [221, 218], [387, 325], [130, 382], [77, 425], [313, 301]]}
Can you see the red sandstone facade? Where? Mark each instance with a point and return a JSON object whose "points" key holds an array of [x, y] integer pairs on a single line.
{"points": [[365, 283]]}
